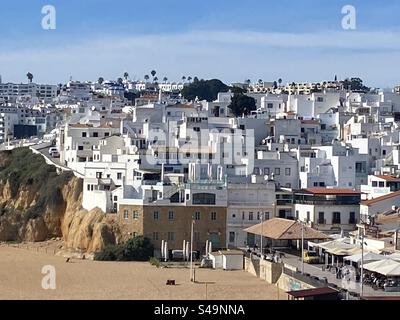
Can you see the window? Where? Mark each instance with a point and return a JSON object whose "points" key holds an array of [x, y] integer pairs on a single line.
{"points": [[336, 218], [155, 236], [126, 214], [352, 218], [308, 216], [321, 218], [256, 171], [266, 215], [106, 134], [270, 105], [197, 215], [171, 236], [213, 216], [374, 183], [80, 148], [297, 214], [196, 236], [84, 134], [99, 175], [251, 216], [115, 198], [135, 215], [156, 215], [277, 171], [266, 171], [95, 134], [203, 198], [287, 171], [170, 215], [231, 237], [119, 175], [381, 184]]}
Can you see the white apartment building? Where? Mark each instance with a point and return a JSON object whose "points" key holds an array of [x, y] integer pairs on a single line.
{"points": [[248, 204], [10, 91], [279, 166], [328, 210]]}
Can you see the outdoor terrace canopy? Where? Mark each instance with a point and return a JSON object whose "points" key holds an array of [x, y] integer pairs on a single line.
{"points": [[284, 229], [386, 267], [368, 257]]}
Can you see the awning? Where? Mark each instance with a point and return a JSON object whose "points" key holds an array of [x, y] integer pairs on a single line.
{"points": [[386, 267], [368, 257]]}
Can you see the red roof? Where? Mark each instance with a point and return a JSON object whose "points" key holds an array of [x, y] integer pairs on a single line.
{"points": [[379, 199], [330, 191], [388, 178]]}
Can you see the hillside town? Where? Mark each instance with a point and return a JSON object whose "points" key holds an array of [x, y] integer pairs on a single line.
{"points": [[208, 169]]}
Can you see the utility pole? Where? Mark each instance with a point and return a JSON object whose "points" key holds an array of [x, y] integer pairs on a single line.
{"points": [[191, 252], [362, 265], [302, 247]]}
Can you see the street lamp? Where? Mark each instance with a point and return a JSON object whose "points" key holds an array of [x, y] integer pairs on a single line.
{"points": [[262, 224]]}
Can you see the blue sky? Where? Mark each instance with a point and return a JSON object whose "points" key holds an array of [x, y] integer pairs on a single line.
{"points": [[231, 40]]}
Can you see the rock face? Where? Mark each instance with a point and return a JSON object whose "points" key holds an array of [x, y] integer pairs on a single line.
{"points": [[65, 217]]}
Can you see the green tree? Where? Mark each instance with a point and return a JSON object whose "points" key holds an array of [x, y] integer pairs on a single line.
{"points": [[135, 249], [204, 89], [120, 81], [355, 84], [165, 79], [126, 75], [29, 76], [100, 80], [146, 77], [153, 73], [242, 104]]}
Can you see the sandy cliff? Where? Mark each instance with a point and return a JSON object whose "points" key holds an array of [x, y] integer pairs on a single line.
{"points": [[36, 207]]}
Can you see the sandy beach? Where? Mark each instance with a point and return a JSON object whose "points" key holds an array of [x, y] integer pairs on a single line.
{"points": [[21, 278]]}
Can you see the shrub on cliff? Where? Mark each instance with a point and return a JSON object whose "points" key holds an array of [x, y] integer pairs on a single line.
{"points": [[135, 249], [22, 168]]}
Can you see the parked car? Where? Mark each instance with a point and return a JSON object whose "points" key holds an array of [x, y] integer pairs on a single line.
{"points": [[55, 154], [311, 257], [52, 149]]}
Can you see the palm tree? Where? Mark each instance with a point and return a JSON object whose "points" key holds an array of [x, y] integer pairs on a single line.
{"points": [[183, 78], [189, 78], [248, 81], [100, 80], [29, 76], [126, 75], [146, 77], [120, 81], [153, 73], [280, 81], [155, 79], [165, 79], [260, 81]]}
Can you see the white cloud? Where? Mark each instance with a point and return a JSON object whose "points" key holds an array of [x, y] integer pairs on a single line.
{"points": [[229, 55]]}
